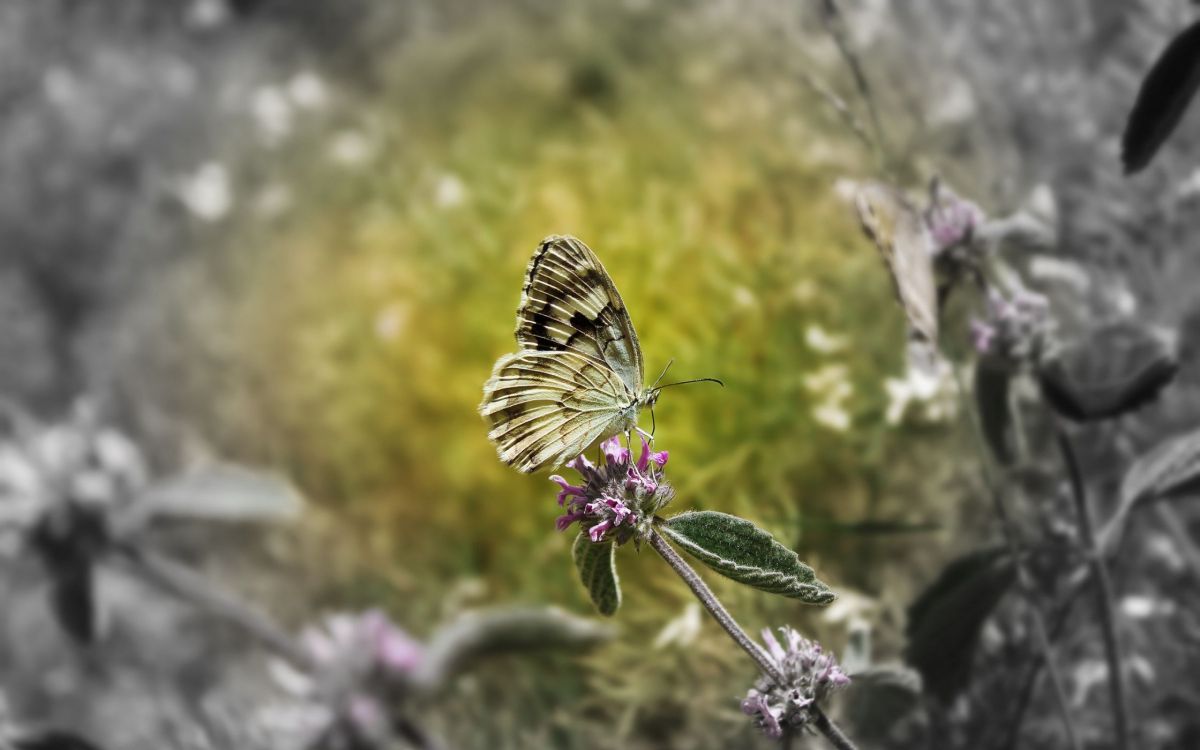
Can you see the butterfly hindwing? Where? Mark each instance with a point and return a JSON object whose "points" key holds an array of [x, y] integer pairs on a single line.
{"points": [[545, 407], [569, 303]]}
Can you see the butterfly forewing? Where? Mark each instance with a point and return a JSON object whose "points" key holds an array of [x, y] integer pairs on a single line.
{"points": [[579, 373], [569, 303], [899, 232]]}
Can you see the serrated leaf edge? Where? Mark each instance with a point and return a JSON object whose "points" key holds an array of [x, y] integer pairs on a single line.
{"points": [[773, 582]]}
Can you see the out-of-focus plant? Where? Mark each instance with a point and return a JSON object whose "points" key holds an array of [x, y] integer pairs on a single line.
{"points": [[79, 494], [366, 683], [1162, 100], [1106, 371]]}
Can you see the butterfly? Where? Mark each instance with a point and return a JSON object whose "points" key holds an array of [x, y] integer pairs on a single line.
{"points": [[899, 231], [578, 376]]}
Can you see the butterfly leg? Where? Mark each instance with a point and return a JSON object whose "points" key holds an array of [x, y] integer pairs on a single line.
{"points": [[648, 435]]}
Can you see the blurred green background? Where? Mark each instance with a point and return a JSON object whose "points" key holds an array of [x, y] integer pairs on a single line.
{"points": [[344, 256]]}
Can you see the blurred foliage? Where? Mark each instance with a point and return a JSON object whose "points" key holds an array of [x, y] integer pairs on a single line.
{"points": [[295, 232], [344, 331]]}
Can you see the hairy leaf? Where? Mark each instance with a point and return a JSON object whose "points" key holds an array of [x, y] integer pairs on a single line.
{"points": [[945, 620], [1170, 469], [219, 492], [991, 399], [738, 549], [598, 570], [1115, 368], [1162, 100], [459, 645]]}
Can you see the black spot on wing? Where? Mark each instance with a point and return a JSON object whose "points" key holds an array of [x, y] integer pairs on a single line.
{"points": [[581, 322]]}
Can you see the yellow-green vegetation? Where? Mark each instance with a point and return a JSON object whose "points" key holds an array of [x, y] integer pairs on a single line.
{"points": [[365, 323]]}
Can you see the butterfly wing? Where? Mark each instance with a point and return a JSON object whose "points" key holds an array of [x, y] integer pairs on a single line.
{"points": [[545, 407], [899, 232], [570, 304]]}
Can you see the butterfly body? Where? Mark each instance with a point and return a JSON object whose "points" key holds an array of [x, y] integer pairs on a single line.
{"points": [[578, 376]]}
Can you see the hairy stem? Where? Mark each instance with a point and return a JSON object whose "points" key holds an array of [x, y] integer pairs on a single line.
{"points": [[194, 588], [1012, 541], [1104, 591], [715, 608], [726, 621]]}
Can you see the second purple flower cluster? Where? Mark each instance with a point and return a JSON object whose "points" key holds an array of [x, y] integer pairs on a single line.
{"points": [[811, 674]]}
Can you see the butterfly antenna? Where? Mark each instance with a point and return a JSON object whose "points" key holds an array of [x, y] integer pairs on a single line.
{"points": [[694, 380], [661, 374]]}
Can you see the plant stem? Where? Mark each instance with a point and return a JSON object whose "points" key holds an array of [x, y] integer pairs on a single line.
{"points": [[831, 17], [195, 589], [707, 598], [832, 731], [1104, 590], [1009, 531], [715, 608]]}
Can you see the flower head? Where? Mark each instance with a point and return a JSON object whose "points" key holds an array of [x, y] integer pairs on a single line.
{"points": [[359, 664], [951, 220], [811, 674], [1014, 325], [617, 498]]}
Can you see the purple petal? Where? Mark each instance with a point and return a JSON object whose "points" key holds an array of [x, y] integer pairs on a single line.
{"points": [[659, 457], [643, 461], [597, 532], [562, 522], [614, 452], [773, 645], [568, 489], [582, 465]]}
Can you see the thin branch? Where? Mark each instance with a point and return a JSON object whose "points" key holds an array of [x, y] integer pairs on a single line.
{"points": [[1035, 669], [834, 23], [1024, 578], [707, 598], [838, 104], [1104, 591], [196, 589]]}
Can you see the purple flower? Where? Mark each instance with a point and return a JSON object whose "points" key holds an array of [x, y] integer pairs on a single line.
{"points": [[951, 220], [1015, 326], [617, 497], [359, 662], [810, 674], [982, 336], [768, 719], [614, 453], [367, 642], [567, 491]]}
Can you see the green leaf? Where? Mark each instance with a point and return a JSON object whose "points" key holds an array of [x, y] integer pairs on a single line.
{"points": [[945, 621], [738, 549], [598, 571], [991, 399]]}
